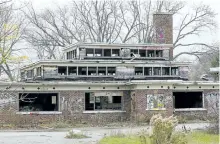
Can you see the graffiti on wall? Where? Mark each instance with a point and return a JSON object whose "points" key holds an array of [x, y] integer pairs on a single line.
{"points": [[155, 102], [212, 102]]}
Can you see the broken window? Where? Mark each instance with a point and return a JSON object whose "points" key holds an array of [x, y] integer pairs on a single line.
{"points": [[107, 52], [142, 53], [156, 101], [89, 52], [38, 102], [115, 52], [98, 52], [62, 70], [174, 71], [188, 99], [148, 71], [82, 70], [138, 70], [101, 70], [111, 70], [72, 70], [102, 102], [159, 53], [150, 53], [134, 51], [30, 73], [92, 70], [157, 71], [166, 71]]}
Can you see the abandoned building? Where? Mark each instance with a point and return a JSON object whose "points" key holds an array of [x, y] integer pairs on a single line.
{"points": [[113, 81]]}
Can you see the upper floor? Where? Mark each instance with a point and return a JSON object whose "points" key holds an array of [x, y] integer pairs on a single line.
{"points": [[105, 51]]}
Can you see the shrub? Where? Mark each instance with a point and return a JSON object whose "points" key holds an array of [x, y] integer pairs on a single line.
{"points": [[163, 131], [73, 135]]}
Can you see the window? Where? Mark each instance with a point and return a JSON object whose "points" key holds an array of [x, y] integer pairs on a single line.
{"points": [[134, 51], [188, 99], [92, 70], [82, 70], [102, 102], [38, 102], [142, 53], [159, 53], [166, 71], [157, 71], [101, 70], [115, 52], [22, 75], [98, 52], [72, 70], [155, 102], [30, 73], [62, 70], [138, 70], [107, 52], [39, 71], [111, 70], [174, 71], [150, 53], [89, 52], [148, 71]]}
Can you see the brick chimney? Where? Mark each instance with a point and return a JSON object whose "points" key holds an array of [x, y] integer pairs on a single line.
{"points": [[163, 24]]}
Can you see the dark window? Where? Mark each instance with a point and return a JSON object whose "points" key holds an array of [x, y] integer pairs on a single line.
{"points": [[115, 52], [138, 70], [89, 101], [111, 70], [148, 71], [101, 70], [165, 71], [92, 70], [38, 102], [142, 53], [157, 71], [82, 70], [107, 52], [62, 70], [134, 51], [39, 71], [89, 52], [116, 99], [159, 53], [188, 99], [98, 52], [174, 71], [72, 70], [150, 53]]}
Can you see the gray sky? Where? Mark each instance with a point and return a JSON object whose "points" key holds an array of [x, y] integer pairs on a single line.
{"points": [[205, 37]]}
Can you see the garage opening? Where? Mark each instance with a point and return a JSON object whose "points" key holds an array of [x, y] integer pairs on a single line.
{"points": [[188, 100], [38, 102]]}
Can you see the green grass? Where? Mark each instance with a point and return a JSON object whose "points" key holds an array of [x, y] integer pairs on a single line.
{"points": [[193, 138], [72, 135]]}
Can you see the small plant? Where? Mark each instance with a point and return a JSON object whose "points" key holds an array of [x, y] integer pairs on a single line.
{"points": [[74, 135]]}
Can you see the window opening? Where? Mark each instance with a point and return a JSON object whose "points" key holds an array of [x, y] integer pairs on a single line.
{"points": [[138, 70], [82, 70], [62, 70], [101, 70], [72, 70]]}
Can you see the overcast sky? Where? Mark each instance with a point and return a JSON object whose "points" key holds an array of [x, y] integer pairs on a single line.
{"points": [[206, 37]]}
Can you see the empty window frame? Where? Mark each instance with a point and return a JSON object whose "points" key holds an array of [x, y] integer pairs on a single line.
{"points": [[157, 71], [107, 52], [101, 70], [138, 70], [38, 102], [165, 70], [150, 53], [147, 71], [174, 71], [72, 70], [102, 102], [134, 51], [38, 71], [92, 71], [111, 70], [98, 52], [89, 52], [115, 52], [188, 100], [22, 75], [62, 70], [82, 70], [159, 53], [30, 73], [142, 53]]}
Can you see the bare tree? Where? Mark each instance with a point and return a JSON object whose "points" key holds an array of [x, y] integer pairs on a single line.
{"points": [[113, 22]]}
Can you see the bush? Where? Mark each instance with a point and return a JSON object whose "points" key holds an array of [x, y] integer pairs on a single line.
{"points": [[73, 135], [163, 131]]}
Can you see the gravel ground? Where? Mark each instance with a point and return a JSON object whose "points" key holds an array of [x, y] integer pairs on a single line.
{"points": [[95, 134]]}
